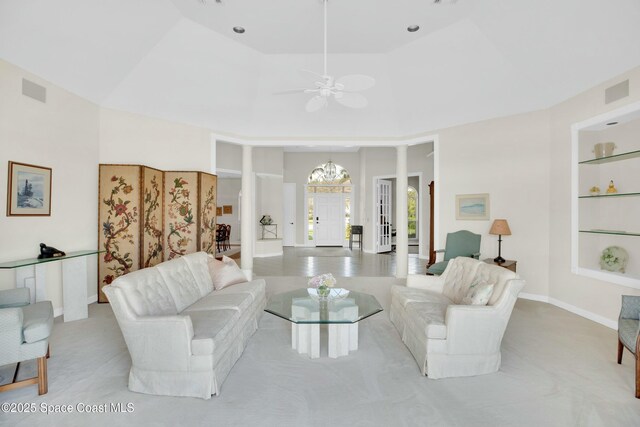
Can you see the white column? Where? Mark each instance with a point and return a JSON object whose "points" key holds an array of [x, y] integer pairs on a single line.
{"points": [[246, 226], [402, 227]]}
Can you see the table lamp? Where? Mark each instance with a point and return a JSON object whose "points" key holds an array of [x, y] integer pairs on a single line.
{"points": [[500, 227]]}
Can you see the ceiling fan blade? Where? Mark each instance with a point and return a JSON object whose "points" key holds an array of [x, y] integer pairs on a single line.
{"points": [[356, 82], [289, 92], [316, 103], [352, 100]]}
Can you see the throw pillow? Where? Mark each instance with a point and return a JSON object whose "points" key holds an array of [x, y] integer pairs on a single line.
{"points": [[225, 273], [478, 294]]}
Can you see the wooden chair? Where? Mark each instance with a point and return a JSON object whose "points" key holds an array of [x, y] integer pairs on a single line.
{"points": [[629, 332], [220, 237], [227, 237]]}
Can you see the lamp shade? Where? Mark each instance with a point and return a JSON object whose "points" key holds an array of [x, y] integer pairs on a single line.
{"points": [[500, 227]]}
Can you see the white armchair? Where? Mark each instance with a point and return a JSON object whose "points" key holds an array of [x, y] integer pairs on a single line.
{"points": [[449, 339], [24, 335]]}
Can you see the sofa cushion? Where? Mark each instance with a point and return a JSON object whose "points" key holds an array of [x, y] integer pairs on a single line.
{"points": [[180, 281], [479, 293], [458, 277], [405, 295], [496, 275], [427, 317], [146, 293], [37, 321], [256, 288], [210, 327], [199, 265], [225, 273], [215, 301]]}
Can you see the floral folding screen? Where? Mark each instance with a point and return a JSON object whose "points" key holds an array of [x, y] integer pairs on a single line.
{"points": [[147, 216]]}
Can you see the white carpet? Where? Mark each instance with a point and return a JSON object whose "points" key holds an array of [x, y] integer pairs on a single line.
{"points": [[558, 370]]}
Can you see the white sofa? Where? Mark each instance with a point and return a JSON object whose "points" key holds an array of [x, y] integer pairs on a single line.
{"points": [[449, 339], [183, 336]]}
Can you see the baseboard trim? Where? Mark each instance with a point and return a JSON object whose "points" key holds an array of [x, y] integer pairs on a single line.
{"points": [[572, 309]]}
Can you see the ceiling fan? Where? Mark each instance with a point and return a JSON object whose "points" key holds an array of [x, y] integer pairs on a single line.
{"points": [[343, 89]]}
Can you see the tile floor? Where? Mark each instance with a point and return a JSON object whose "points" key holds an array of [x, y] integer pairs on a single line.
{"points": [[340, 262]]}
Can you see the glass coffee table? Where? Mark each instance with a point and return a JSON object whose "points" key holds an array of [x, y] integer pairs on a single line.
{"points": [[341, 311]]}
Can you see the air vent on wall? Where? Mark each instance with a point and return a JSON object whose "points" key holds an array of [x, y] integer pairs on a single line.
{"points": [[34, 90], [616, 92]]}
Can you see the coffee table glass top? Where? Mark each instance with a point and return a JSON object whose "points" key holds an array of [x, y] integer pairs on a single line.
{"points": [[302, 306]]}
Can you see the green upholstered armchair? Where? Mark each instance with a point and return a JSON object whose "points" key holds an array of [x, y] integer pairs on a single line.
{"points": [[461, 243], [24, 335], [629, 332]]}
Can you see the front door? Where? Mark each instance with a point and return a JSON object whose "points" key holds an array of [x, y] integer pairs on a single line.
{"points": [[329, 220]]}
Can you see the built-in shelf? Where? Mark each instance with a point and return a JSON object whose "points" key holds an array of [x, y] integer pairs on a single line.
{"points": [[609, 195], [614, 158], [595, 226], [610, 232]]}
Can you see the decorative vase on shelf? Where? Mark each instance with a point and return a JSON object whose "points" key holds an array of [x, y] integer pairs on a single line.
{"points": [[604, 149], [614, 258], [612, 188], [266, 220], [594, 191]]}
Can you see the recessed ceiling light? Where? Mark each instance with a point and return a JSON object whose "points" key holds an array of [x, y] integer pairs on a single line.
{"points": [[238, 30], [612, 123], [413, 28]]}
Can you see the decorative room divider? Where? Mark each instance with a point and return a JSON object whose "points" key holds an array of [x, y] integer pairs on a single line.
{"points": [[147, 216]]}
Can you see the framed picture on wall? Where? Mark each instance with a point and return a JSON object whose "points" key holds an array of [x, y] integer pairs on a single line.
{"points": [[227, 209], [219, 211], [472, 206], [28, 190]]}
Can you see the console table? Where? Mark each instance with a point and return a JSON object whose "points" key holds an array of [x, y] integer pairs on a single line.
{"points": [[31, 273], [269, 230]]}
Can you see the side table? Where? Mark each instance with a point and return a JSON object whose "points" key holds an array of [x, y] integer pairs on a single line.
{"points": [[269, 231], [509, 264]]}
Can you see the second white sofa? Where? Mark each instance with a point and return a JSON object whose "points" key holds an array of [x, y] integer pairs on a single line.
{"points": [[446, 337], [183, 336]]}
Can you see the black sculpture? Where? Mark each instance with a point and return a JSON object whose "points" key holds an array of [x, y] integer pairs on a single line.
{"points": [[49, 252]]}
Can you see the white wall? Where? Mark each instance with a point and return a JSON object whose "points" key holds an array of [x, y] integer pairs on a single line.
{"points": [[596, 296], [61, 134], [509, 159], [268, 190], [129, 138], [228, 190], [228, 156]]}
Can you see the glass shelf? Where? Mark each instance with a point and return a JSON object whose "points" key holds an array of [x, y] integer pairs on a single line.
{"points": [[610, 232], [609, 195], [614, 158], [34, 261]]}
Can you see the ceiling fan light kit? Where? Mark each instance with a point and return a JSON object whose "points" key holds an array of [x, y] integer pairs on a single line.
{"points": [[343, 89]]}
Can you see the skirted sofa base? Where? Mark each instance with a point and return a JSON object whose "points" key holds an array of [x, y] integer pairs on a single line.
{"points": [[183, 336], [447, 338]]}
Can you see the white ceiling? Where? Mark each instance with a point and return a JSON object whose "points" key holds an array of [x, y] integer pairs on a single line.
{"points": [[179, 59]]}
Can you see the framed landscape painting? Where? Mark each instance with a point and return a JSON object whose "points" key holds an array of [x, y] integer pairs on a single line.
{"points": [[472, 206], [29, 190]]}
